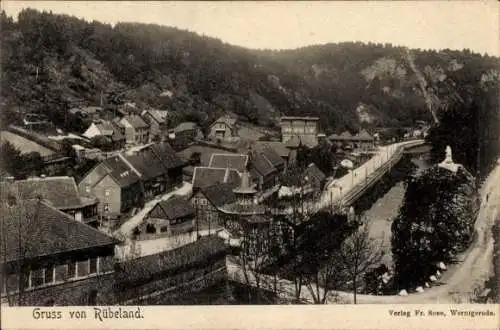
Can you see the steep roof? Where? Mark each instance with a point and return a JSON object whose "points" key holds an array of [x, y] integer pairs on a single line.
{"points": [[205, 152], [293, 142], [185, 126], [105, 128], [60, 191], [260, 163], [364, 136], [313, 171], [346, 134], [167, 155], [158, 115], [173, 208], [278, 147], [271, 155], [120, 171], [147, 164], [45, 231], [229, 120], [220, 194], [234, 161], [208, 176], [136, 121]]}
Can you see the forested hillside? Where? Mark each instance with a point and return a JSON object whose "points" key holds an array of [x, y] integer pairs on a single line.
{"points": [[51, 63]]}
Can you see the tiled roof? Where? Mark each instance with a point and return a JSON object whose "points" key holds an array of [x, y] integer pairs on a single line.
{"points": [[228, 120], [346, 134], [173, 208], [278, 147], [147, 164], [260, 163], [235, 161], [186, 126], [167, 155], [136, 121], [313, 171], [193, 253], [120, 171], [220, 194], [205, 152], [207, 176], [364, 136], [271, 155], [105, 128], [60, 191], [293, 142], [158, 115], [45, 231]]}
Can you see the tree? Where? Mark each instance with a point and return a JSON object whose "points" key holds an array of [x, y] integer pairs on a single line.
{"points": [[10, 158], [435, 222], [358, 255], [19, 223]]}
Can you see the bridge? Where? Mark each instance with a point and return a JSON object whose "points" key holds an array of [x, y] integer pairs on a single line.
{"points": [[346, 190]]}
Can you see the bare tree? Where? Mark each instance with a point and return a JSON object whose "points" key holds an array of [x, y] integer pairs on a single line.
{"points": [[358, 254], [19, 224]]}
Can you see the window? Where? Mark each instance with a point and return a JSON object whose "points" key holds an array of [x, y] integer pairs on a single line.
{"points": [[106, 207], [37, 277], [93, 265], [106, 192], [87, 188], [49, 274], [72, 269]]}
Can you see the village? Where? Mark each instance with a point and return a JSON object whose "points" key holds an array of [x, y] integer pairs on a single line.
{"points": [[162, 206]]}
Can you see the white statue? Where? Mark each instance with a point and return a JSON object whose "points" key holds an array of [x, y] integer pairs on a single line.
{"points": [[448, 163]]}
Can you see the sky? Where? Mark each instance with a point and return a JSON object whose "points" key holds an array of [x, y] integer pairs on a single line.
{"points": [[283, 25]]}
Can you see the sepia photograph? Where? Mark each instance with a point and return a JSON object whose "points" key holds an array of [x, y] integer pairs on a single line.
{"points": [[172, 153]]}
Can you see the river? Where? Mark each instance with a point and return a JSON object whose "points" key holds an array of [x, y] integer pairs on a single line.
{"points": [[380, 215]]}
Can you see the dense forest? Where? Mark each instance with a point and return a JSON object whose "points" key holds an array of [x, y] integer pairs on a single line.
{"points": [[51, 63]]}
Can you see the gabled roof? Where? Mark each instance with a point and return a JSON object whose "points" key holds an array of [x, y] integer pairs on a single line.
{"points": [[45, 231], [346, 134], [120, 171], [208, 176], [261, 164], [173, 208], [220, 194], [166, 154], [234, 161], [60, 191], [228, 120], [271, 155], [205, 152], [105, 128], [293, 142], [364, 136], [136, 121], [313, 171], [158, 115], [147, 164], [186, 126], [278, 147]]}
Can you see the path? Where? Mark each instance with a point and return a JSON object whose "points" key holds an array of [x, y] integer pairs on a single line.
{"points": [[459, 282], [129, 225]]}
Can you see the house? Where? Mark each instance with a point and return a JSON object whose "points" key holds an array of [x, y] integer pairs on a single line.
{"points": [[61, 192], [115, 183], [224, 129], [361, 141], [108, 129], [90, 112], [164, 277], [314, 177], [210, 200], [159, 167], [262, 171], [157, 121], [136, 129], [167, 218], [238, 162], [50, 259], [208, 176], [270, 154], [280, 149], [188, 130], [303, 129]]}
